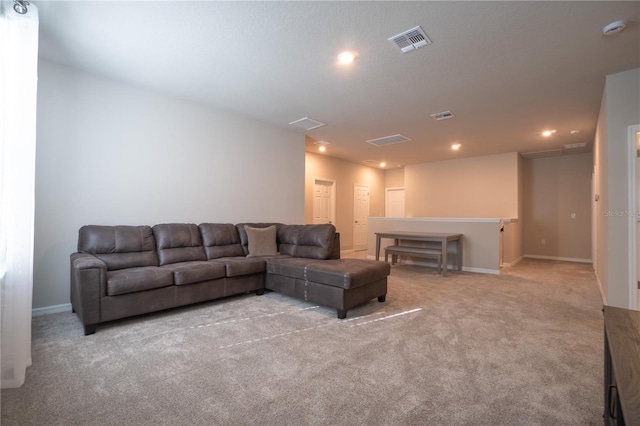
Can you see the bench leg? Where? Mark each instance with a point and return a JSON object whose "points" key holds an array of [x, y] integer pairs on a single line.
{"points": [[342, 313], [382, 298], [440, 264]]}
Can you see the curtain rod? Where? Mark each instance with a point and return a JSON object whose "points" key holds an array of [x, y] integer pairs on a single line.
{"points": [[20, 6]]}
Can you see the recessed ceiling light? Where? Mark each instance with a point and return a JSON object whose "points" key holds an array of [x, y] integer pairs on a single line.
{"points": [[575, 132], [346, 58], [548, 133], [322, 145], [455, 146], [383, 164]]}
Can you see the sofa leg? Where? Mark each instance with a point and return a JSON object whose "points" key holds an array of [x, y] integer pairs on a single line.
{"points": [[382, 298], [260, 291], [342, 314], [89, 329]]}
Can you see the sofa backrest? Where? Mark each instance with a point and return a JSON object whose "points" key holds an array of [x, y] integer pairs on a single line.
{"points": [[119, 247], [178, 242], [220, 240], [315, 241], [288, 237]]}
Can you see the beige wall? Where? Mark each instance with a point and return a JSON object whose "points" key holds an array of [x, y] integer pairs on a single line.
{"points": [[620, 109], [109, 153], [394, 178], [345, 174], [480, 187], [554, 188]]}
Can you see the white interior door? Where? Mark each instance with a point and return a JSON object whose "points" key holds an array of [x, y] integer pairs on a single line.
{"points": [[394, 202], [323, 201], [360, 216]]}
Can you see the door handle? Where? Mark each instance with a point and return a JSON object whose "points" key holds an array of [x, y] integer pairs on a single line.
{"points": [[356, 221]]}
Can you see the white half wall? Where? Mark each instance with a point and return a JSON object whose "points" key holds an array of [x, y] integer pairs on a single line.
{"points": [[113, 154]]}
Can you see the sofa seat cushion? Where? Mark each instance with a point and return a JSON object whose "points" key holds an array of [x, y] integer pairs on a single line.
{"points": [[294, 267], [347, 273], [238, 266], [131, 280], [195, 272]]}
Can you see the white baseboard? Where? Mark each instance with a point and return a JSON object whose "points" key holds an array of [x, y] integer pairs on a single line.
{"points": [[604, 298], [55, 309], [514, 263], [564, 259]]}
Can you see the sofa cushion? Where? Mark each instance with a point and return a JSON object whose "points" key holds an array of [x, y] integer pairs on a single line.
{"points": [[244, 242], [178, 242], [261, 241], [137, 279], [315, 241], [238, 266], [195, 272], [288, 237], [119, 247], [294, 267], [347, 273], [220, 240]]}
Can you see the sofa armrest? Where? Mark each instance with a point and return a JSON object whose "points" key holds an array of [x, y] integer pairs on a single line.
{"points": [[88, 283]]}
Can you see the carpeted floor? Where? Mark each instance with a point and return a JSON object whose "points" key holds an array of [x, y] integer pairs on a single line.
{"points": [[521, 348]]}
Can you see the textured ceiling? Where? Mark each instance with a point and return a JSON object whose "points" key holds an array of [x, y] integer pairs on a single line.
{"points": [[507, 70]]}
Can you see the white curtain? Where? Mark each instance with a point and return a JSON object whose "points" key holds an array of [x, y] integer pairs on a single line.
{"points": [[18, 85]]}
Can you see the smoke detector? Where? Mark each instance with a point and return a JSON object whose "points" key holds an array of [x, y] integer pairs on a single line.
{"points": [[614, 27]]}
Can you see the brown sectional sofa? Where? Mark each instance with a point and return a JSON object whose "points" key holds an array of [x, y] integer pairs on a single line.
{"points": [[121, 271]]}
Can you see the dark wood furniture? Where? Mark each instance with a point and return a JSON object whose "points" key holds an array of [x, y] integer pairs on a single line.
{"points": [[443, 238], [621, 366]]}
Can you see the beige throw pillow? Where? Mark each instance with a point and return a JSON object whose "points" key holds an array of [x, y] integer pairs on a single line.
{"points": [[262, 241]]}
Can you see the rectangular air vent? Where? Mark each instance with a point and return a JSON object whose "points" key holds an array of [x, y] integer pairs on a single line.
{"points": [[388, 140], [443, 115], [542, 154], [307, 123], [575, 145], [407, 41]]}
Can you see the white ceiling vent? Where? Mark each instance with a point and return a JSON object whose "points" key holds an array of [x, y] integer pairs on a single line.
{"points": [[388, 140], [575, 145], [407, 41], [542, 154], [444, 115], [307, 123]]}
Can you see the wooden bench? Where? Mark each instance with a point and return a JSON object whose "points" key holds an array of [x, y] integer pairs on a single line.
{"points": [[396, 251]]}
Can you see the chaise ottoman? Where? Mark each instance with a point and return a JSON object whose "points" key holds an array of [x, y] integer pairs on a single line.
{"points": [[341, 284]]}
